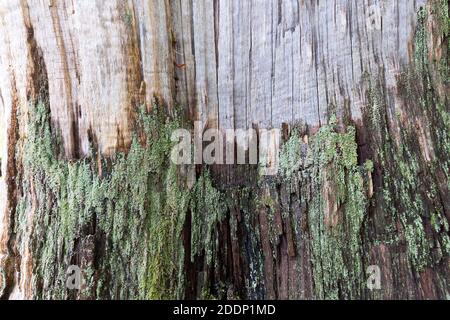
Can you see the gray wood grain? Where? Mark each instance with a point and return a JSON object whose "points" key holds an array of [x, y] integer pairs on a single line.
{"points": [[230, 63]]}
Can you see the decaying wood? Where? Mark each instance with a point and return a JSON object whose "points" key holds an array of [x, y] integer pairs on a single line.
{"points": [[229, 64]]}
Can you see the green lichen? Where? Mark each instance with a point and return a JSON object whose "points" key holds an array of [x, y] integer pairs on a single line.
{"points": [[368, 166], [336, 224], [134, 212], [131, 208], [402, 203], [290, 156], [413, 161], [420, 44], [440, 10], [337, 205], [208, 208]]}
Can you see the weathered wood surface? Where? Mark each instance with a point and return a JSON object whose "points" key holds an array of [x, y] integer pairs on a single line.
{"points": [[230, 64]]}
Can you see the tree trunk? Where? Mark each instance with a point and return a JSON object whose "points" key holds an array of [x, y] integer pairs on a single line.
{"points": [[91, 91]]}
